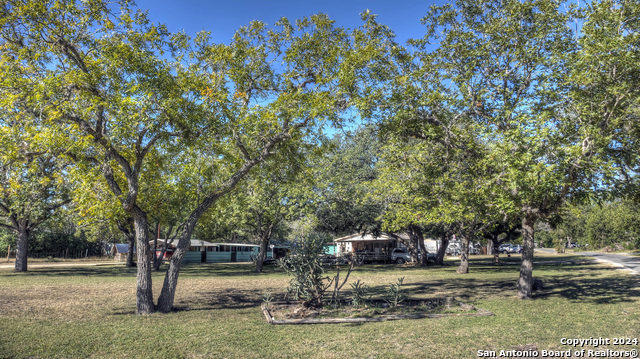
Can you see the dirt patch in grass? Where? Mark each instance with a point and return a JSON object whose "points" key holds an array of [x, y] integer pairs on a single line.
{"points": [[376, 311]]}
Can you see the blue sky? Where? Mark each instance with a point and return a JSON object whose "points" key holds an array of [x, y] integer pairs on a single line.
{"points": [[222, 18]]}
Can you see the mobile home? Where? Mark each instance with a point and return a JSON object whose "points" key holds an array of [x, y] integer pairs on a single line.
{"points": [[201, 251]]}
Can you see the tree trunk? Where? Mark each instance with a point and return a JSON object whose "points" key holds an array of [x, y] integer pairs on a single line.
{"points": [[170, 284], [415, 237], [442, 250], [464, 255], [128, 229], [154, 256], [22, 250], [525, 283], [262, 255], [423, 249], [494, 249], [144, 293], [157, 259], [132, 241], [168, 292], [264, 236], [160, 257]]}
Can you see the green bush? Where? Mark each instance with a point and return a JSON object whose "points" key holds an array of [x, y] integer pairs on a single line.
{"points": [[395, 294], [359, 294], [309, 283]]}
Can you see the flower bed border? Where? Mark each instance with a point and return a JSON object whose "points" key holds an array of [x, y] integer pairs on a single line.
{"points": [[382, 318]]}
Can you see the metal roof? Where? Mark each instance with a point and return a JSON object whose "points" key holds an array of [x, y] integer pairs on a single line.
{"points": [[366, 238]]}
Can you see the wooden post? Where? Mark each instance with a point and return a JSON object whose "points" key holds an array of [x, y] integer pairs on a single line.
{"points": [[9, 253]]}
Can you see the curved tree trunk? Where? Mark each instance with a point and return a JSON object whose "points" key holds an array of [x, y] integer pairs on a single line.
{"points": [[525, 283], [423, 249], [464, 255], [170, 284], [22, 250], [442, 250], [168, 292], [159, 258], [264, 235]]}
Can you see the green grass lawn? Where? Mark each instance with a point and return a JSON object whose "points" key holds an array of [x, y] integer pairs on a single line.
{"points": [[88, 312]]}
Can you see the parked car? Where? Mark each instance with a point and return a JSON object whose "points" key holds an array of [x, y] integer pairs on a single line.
{"points": [[401, 256], [504, 248], [431, 257], [453, 249], [510, 248], [515, 248]]}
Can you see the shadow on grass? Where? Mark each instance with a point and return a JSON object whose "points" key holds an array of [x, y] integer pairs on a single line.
{"points": [[89, 271], [190, 270], [579, 287], [226, 270], [610, 290], [229, 299]]}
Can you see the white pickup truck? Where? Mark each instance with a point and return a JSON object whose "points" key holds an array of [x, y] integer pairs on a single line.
{"points": [[401, 255]]}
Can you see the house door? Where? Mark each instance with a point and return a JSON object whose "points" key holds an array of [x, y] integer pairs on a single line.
{"points": [[233, 257], [203, 257]]}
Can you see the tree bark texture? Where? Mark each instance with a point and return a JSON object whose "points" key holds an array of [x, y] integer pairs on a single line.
{"points": [[415, 237], [159, 258], [22, 250], [525, 283], [262, 255], [132, 241], [264, 236], [423, 249], [170, 284], [154, 257], [463, 268], [144, 289], [442, 250], [494, 249]]}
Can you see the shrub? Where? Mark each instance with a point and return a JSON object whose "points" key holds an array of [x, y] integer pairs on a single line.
{"points": [[359, 294], [395, 294], [304, 263]]}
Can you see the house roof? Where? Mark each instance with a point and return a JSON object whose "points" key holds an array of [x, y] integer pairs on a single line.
{"points": [[194, 243], [122, 248], [236, 244], [357, 237]]}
